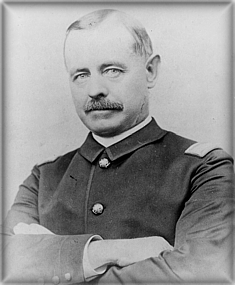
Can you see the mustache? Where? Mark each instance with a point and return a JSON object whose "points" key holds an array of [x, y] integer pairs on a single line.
{"points": [[102, 104]]}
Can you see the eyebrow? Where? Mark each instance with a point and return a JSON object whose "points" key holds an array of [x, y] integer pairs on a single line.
{"points": [[73, 72], [113, 63]]}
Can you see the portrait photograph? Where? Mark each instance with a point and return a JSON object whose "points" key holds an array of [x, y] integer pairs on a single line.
{"points": [[72, 87]]}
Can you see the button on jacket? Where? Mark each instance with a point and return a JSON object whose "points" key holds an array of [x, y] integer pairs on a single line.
{"points": [[151, 183]]}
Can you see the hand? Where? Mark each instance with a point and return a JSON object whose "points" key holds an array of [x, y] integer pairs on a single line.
{"points": [[32, 229], [124, 252]]}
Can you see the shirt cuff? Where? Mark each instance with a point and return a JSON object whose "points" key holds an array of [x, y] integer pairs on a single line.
{"points": [[90, 272]]}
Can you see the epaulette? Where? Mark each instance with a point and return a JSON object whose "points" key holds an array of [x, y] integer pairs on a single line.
{"points": [[49, 160], [201, 149]]}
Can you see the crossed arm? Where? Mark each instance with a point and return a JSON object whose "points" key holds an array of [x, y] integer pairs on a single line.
{"points": [[98, 254], [202, 249]]}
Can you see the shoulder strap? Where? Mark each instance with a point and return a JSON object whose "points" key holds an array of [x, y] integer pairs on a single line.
{"points": [[201, 149]]}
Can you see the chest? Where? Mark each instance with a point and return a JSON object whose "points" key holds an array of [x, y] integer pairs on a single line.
{"points": [[140, 194]]}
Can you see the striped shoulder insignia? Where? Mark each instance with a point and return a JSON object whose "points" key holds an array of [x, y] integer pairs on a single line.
{"points": [[49, 160], [201, 149]]}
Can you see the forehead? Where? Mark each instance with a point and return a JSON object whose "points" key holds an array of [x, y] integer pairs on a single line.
{"points": [[110, 40]]}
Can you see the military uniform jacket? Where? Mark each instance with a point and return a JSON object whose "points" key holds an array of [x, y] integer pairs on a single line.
{"points": [[152, 183]]}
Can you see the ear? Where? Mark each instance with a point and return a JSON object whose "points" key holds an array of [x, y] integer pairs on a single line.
{"points": [[152, 70]]}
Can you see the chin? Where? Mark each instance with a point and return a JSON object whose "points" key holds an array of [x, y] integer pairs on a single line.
{"points": [[105, 132], [104, 127], [108, 130]]}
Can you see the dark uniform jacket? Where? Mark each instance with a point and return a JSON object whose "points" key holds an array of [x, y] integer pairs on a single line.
{"points": [[153, 183]]}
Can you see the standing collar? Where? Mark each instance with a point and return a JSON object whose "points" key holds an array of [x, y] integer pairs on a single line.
{"points": [[107, 142], [91, 149]]}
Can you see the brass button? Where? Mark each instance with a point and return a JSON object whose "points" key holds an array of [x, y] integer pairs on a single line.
{"points": [[56, 280], [104, 162], [68, 276], [97, 209]]}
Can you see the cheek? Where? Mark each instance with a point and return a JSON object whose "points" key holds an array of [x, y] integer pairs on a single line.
{"points": [[135, 91], [78, 96]]}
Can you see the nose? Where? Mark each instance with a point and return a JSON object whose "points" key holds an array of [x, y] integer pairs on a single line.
{"points": [[97, 87]]}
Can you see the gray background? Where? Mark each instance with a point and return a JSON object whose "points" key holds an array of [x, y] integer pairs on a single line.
{"points": [[193, 95]]}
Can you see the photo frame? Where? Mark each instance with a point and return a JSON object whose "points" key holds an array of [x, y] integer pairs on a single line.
{"points": [[193, 96]]}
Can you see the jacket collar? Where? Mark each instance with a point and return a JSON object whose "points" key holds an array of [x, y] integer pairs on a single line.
{"points": [[91, 149]]}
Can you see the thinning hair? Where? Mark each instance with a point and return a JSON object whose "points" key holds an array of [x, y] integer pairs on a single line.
{"points": [[142, 43]]}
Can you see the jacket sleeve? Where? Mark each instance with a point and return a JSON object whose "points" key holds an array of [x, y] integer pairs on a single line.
{"points": [[45, 258], [203, 240]]}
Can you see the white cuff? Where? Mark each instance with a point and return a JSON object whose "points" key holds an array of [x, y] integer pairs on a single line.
{"points": [[90, 272]]}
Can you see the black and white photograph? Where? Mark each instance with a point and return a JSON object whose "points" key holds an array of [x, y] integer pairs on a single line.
{"points": [[117, 142]]}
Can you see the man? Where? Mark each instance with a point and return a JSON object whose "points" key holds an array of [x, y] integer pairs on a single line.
{"points": [[133, 204]]}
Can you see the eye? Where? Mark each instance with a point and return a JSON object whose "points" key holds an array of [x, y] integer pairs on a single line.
{"points": [[113, 72], [80, 77]]}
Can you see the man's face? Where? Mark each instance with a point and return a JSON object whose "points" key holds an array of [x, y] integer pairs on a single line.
{"points": [[107, 79]]}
